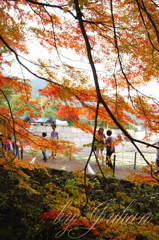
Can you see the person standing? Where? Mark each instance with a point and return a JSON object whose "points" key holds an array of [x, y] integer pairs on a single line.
{"points": [[110, 148], [44, 134], [8, 145], [157, 154], [16, 149], [100, 143], [55, 136], [2, 145]]}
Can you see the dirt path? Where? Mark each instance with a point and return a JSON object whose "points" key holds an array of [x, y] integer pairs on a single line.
{"points": [[60, 163]]}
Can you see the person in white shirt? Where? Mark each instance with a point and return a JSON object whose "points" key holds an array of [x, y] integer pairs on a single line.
{"points": [[55, 136]]}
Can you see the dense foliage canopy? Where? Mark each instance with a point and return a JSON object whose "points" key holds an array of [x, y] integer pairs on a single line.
{"points": [[95, 57], [119, 36]]}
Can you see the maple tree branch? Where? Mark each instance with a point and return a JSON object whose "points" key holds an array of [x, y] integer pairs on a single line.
{"points": [[151, 20], [88, 46], [19, 133], [135, 108], [52, 23], [101, 33], [38, 15], [100, 99], [144, 113], [81, 21], [114, 119], [148, 34], [121, 67], [27, 138], [24, 83], [155, 3], [61, 7], [36, 64], [54, 35], [10, 112], [17, 57], [79, 16], [108, 27], [46, 4], [92, 149], [116, 44], [116, 85], [12, 122]]}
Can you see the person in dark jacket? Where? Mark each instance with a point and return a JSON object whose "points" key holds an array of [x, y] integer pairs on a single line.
{"points": [[110, 148], [44, 134]]}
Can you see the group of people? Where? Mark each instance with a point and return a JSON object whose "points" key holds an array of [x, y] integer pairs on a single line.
{"points": [[102, 141], [9, 145]]}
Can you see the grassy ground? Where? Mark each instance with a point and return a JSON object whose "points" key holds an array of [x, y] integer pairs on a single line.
{"points": [[123, 158]]}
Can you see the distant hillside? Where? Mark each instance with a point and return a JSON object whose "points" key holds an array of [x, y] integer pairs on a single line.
{"points": [[37, 84], [138, 121]]}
